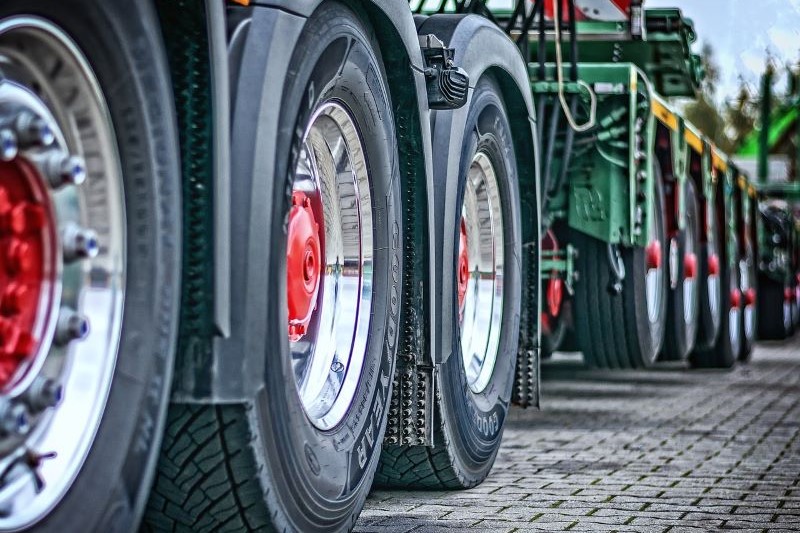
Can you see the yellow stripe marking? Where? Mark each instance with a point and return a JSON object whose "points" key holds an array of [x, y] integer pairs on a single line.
{"points": [[667, 117]]}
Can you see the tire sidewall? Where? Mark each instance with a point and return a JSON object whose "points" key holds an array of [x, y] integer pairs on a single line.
{"points": [[476, 419], [121, 42], [325, 475], [650, 338]]}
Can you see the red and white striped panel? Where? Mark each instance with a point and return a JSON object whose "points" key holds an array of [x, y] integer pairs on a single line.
{"points": [[613, 10]]}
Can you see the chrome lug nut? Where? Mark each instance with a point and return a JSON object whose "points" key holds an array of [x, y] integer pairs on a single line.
{"points": [[33, 131], [63, 169], [71, 326], [8, 145], [14, 418], [79, 243], [43, 394]]}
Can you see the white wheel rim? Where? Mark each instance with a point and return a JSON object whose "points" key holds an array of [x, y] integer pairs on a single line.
{"points": [[481, 312], [69, 100], [327, 360]]}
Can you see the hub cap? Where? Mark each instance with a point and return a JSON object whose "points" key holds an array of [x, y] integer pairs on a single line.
{"points": [[655, 271], [734, 323], [481, 313], [713, 282], [748, 295], [329, 265], [690, 271], [62, 270]]}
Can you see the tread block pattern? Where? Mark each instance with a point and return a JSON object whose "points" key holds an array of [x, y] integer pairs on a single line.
{"points": [[204, 480]]}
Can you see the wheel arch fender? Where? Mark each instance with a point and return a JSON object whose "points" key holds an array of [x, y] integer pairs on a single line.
{"points": [[481, 48], [261, 43]]}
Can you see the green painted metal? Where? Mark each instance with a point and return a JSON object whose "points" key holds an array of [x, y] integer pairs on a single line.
{"points": [[664, 55]]}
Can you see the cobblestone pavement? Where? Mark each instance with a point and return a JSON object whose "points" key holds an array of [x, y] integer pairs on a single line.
{"points": [[664, 450]]}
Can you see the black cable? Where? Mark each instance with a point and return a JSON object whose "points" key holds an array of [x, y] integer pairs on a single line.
{"points": [[573, 36]]}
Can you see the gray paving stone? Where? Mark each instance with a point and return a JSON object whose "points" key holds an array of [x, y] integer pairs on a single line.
{"points": [[668, 450]]}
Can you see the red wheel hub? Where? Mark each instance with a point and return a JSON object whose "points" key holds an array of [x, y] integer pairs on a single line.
{"points": [[303, 265], [736, 298], [690, 266], [555, 296], [27, 238], [463, 267], [749, 297], [713, 265], [653, 255]]}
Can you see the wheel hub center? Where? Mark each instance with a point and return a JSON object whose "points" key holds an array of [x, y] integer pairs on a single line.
{"points": [[303, 260], [690, 266], [27, 231], [653, 255], [463, 268]]}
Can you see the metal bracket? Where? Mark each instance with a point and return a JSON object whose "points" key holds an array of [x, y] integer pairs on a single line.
{"points": [[561, 261], [448, 85]]}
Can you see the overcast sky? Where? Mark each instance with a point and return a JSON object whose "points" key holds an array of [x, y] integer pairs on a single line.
{"points": [[741, 31]]}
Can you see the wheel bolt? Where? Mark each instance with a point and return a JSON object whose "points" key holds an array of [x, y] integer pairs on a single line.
{"points": [[14, 418], [79, 243], [43, 393], [33, 131], [71, 326], [8, 145], [62, 169]]}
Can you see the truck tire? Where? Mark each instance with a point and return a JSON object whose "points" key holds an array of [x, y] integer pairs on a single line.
{"points": [[301, 454], [710, 288], [747, 281], [554, 333], [774, 312], [624, 330], [475, 391], [728, 346], [90, 191], [683, 309]]}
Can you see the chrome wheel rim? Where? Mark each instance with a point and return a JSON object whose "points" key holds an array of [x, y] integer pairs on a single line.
{"points": [[64, 386], [481, 276], [654, 292], [734, 324], [328, 354], [690, 271], [748, 286], [713, 282]]}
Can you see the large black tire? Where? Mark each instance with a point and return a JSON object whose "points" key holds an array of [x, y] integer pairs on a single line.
{"points": [[554, 334], [615, 330], [263, 464], [469, 424], [683, 309], [120, 41], [710, 299], [774, 314], [749, 316], [728, 346]]}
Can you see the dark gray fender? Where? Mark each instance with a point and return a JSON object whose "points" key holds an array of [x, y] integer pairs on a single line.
{"points": [[261, 40], [480, 46]]}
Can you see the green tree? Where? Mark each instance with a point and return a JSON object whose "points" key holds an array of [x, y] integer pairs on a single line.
{"points": [[741, 116], [704, 112]]}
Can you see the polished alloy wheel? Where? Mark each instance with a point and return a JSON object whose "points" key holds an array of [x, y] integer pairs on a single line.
{"points": [[655, 268], [734, 323], [690, 295], [62, 271], [748, 291], [713, 282], [329, 265], [480, 273]]}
